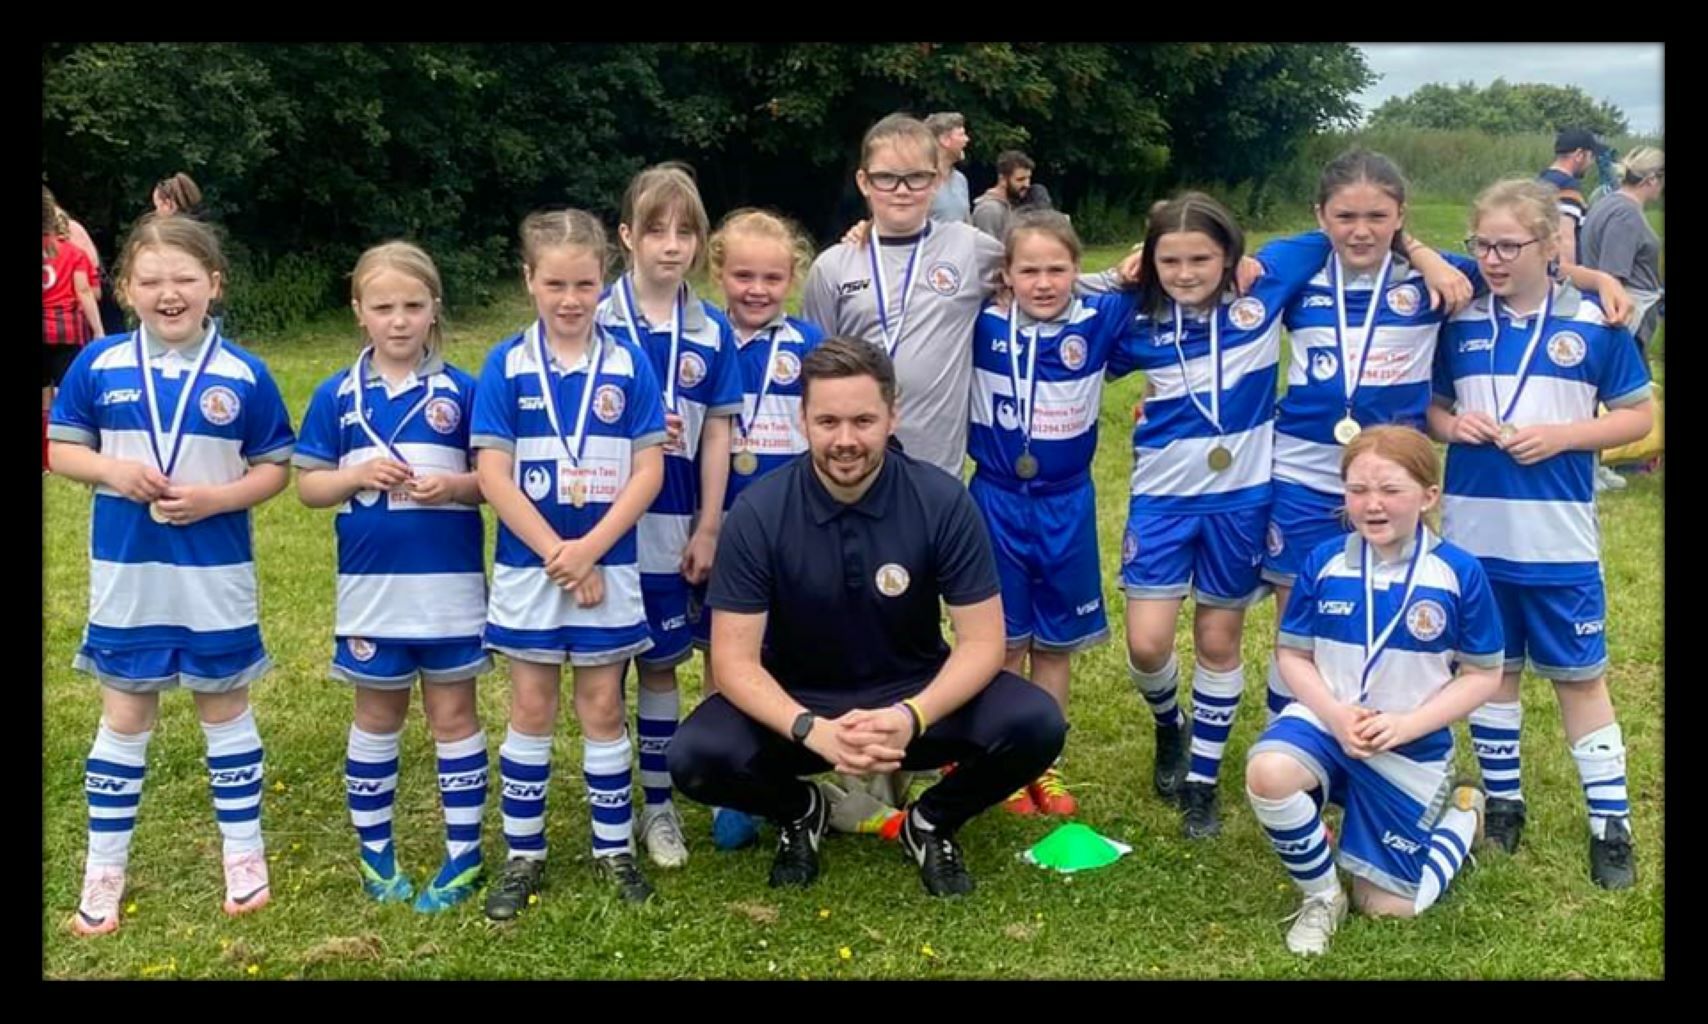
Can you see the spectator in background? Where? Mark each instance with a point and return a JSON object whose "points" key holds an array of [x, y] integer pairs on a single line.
{"points": [[1574, 153], [177, 194], [1617, 237], [953, 201], [996, 207]]}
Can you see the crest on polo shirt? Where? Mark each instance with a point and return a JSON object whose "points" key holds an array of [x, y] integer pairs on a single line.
{"points": [[219, 405], [1246, 313], [1325, 363], [943, 277], [690, 369], [1007, 417], [892, 579], [1404, 300], [1273, 540], [1426, 620], [1566, 349], [361, 649], [536, 483], [442, 415], [1073, 352], [608, 403], [787, 368]]}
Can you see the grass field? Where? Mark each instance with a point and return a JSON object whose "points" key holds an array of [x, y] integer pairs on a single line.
{"points": [[1170, 910]]}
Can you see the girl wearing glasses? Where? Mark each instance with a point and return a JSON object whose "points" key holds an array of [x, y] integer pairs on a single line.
{"points": [[916, 290], [1518, 375], [1363, 343]]}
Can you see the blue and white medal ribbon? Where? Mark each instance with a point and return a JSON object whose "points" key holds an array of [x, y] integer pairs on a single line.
{"points": [[892, 339], [1373, 650], [167, 444]]}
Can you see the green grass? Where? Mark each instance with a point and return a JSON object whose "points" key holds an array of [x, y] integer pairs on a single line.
{"points": [[1170, 910]]}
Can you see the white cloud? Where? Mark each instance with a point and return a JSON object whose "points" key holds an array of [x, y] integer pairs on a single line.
{"points": [[1627, 75]]}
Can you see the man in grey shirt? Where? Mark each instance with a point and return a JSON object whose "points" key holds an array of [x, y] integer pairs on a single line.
{"points": [[953, 201], [996, 207]]}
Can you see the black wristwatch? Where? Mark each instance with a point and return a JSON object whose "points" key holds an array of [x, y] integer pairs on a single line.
{"points": [[802, 727]]}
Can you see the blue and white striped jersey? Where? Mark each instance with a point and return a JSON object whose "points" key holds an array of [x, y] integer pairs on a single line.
{"points": [[1395, 376], [1066, 392], [1532, 524], [1450, 617], [405, 571], [154, 585], [771, 429], [625, 413], [1173, 443], [705, 382]]}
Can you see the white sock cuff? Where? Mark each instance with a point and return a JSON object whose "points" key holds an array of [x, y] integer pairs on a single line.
{"points": [[1606, 741], [1295, 811], [121, 748], [1499, 715], [465, 747], [606, 757], [1163, 678], [659, 704], [233, 737], [373, 747], [526, 749], [1219, 684]]}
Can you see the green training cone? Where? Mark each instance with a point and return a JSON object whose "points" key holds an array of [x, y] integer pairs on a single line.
{"points": [[1075, 847]]}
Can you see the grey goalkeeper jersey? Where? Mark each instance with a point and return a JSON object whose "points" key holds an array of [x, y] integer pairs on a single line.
{"points": [[958, 268]]}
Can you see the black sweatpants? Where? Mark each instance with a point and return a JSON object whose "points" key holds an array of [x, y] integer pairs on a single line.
{"points": [[1000, 740]]}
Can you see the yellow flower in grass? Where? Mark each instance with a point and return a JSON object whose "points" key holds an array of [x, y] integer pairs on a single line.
{"points": [[845, 953]]}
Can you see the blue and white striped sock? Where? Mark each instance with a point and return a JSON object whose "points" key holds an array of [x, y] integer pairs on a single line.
{"points": [[1449, 843], [1215, 699], [370, 788], [1160, 689], [525, 770], [112, 780], [1494, 736], [655, 726], [1295, 829], [236, 772], [462, 791], [605, 763], [1280, 694], [1600, 758]]}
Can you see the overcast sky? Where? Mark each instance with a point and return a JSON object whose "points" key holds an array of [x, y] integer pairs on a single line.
{"points": [[1625, 74]]}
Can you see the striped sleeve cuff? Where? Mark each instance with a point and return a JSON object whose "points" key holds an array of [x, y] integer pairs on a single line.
{"points": [[1625, 401], [1495, 660], [648, 440], [303, 460], [1295, 641], [75, 435], [281, 455], [493, 441]]}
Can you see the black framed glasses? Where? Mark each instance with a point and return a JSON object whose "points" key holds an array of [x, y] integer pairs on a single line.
{"points": [[889, 181], [1505, 252]]}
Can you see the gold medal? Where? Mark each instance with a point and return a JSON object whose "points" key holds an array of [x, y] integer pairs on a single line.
{"points": [[1508, 432], [746, 463], [158, 514], [1220, 458], [1346, 430], [578, 494], [1026, 466]]}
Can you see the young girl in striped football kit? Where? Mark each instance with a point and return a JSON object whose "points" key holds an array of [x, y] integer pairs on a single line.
{"points": [[386, 442], [1518, 376], [181, 432], [1391, 636], [568, 425]]}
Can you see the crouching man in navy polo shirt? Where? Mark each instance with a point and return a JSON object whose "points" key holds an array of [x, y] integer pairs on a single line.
{"points": [[827, 644]]}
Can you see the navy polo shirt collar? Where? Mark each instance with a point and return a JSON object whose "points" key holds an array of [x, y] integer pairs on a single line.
{"points": [[874, 504]]}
